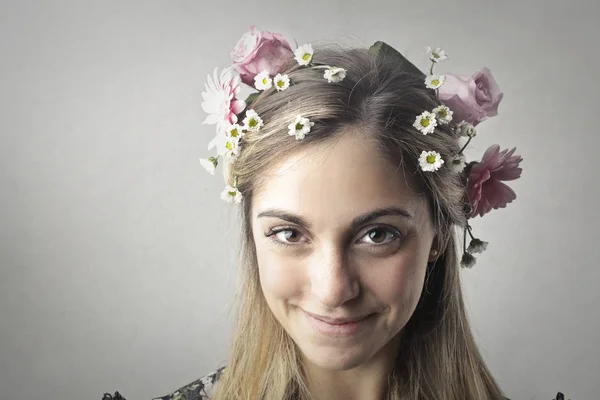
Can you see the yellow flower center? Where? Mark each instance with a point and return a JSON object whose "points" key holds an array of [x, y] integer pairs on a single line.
{"points": [[234, 132], [435, 82], [306, 56], [232, 194], [425, 122], [252, 123], [265, 80], [299, 126], [442, 113], [229, 146], [431, 159]]}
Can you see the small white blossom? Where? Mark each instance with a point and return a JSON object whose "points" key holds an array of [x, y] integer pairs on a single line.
{"points": [[466, 129], [335, 74], [430, 161], [477, 246], [209, 164], [226, 146], [304, 54], [468, 261], [300, 127], [263, 81], [444, 114], [282, 82], [235, 131], [231, 195], [252, 122], [458, 163], [426, 122], [435, 81], [437, 54]]}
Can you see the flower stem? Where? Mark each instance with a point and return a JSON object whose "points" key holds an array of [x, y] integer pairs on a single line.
{"points": [[465, 239], [469, 228], [465, 146], [431, 68]]}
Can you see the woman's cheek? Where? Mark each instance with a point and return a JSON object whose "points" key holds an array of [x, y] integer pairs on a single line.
{"points": [[280, 277], [398, 279]]}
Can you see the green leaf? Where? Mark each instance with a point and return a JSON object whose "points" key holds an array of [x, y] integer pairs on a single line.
{"points": [[250, 99], [386, 51]]}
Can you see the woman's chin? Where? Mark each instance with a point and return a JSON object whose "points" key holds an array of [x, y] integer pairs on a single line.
{"points": [[337, 359]]}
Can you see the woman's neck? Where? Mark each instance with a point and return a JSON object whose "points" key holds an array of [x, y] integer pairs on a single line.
{"points": [[368, 381]]}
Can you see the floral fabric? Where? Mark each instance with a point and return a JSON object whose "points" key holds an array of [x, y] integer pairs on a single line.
{"points": [[200, 389]]}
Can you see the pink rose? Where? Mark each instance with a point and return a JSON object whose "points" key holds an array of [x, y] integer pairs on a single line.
{"points": [[485, 189], [257, 51], [472, 98]]}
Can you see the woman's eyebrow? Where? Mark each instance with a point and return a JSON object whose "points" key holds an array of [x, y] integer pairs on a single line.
{"points": [[356, 222]]}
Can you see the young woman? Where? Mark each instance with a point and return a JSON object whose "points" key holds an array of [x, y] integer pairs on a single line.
{"points": [[353, 209]]}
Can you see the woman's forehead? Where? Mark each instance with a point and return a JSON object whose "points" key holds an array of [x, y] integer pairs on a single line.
{"points": [[342, 180]]}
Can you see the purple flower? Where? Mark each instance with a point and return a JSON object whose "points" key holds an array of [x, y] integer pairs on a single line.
{"points": [[486, 189], [472, 98], [259, 51]]}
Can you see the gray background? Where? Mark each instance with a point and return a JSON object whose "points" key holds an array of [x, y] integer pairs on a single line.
{"points": [[116, 253]]}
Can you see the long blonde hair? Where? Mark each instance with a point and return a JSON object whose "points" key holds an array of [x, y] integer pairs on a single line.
{"points": [[438, 357]]}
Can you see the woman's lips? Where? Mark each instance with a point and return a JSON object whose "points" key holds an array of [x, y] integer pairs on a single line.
{"points": [[346, 326]]}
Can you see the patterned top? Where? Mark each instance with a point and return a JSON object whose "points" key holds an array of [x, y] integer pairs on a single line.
{"points": [[200, 389], [204, 389]]}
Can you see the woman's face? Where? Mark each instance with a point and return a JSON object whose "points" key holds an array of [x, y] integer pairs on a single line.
{"points": [[340, 237]]}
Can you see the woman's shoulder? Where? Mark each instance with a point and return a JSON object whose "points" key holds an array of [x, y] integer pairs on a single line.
{"points": [[200, 389]]}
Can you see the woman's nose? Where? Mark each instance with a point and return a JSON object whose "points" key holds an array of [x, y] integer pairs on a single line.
{"points": [[333, 283]]}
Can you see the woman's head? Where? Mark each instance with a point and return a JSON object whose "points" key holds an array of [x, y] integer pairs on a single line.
{"points": [[344, 224]]}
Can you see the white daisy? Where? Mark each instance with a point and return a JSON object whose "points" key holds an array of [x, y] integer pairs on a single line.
{"points": [[231, 195], [263, 81], [466, 129], [227, 146], [235, 131], [300, 127], [458, 163], [477, 246], [252, 122], [425, 122], [444, 114], [430, 161], [435, 81], [436, 54], [282, 82], [304, 54], [335, 74], [209, 164]]}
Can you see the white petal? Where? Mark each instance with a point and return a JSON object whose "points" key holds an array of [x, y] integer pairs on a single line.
{"points": [[208, 165]]}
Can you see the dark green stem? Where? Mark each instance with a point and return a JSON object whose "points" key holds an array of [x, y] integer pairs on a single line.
{"points": [[465, 146], [470, 233]]}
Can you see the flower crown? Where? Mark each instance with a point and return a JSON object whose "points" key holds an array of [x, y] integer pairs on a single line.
{"points": [[260, 57]]}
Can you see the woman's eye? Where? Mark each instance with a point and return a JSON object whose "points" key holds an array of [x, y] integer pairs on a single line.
{"points": [[287, 235], [283, 236], [381, 236]]}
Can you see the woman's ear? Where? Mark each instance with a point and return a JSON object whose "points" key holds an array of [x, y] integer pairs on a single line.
{"points": [[437, 249]]}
